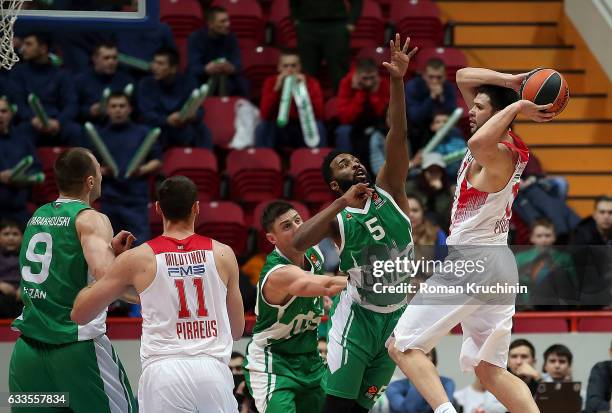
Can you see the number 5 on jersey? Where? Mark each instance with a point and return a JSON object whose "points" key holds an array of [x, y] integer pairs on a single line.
{"points": [[376, 230], [183, 309]]}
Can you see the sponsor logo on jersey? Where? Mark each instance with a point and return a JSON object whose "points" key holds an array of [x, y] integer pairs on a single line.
{"points": [[378, 201], [315, 261], [186, 270], [349, 215]]}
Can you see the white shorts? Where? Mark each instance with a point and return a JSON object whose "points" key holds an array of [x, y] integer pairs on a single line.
{"points": [[199, 384], [486, 319]]}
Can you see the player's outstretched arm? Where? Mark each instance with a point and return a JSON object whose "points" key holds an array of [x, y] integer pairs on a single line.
{"points": [[225, 259], [393, 174], [470, 78], [295, 282], [324, 224]]}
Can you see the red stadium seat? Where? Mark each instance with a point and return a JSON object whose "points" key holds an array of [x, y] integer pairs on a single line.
{"points": [[540, 325], [255, 175], [308, 183], [419, 19], [47, 191], [263, 245], [258, 63], [370, 28], [156, 223], [219, 116], [183, 16], [595, 325], [285, 35], [246, 18], [224, 222], [199, 165], [454, 59]]}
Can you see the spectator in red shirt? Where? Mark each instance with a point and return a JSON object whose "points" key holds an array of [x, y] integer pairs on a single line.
{"points": [[363, 98], [268, 134]]}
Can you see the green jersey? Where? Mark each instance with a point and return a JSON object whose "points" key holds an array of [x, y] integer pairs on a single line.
{"points": [[284, 330], [370, 237], [53, 271]]}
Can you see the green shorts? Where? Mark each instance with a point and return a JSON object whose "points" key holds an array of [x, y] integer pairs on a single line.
{"points": [[294, 387], [359, 366], [89, 371]]}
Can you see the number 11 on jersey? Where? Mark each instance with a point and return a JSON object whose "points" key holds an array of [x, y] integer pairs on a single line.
{"points": [[183, 309]]}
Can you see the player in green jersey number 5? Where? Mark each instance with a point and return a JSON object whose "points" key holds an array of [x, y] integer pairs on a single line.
{"points": [[66, 245], [283, 366], [368, 221]]}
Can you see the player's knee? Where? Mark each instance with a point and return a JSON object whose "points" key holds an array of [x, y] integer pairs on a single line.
{"points": [[486, 373]]}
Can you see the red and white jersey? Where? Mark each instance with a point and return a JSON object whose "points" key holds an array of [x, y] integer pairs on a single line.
{"points": [[184, 309], [480, 217]]}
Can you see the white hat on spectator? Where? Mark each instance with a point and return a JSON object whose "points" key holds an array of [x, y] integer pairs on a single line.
{"points": [[431, 159]]}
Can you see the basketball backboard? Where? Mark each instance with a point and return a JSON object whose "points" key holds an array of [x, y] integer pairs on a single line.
{"points": [[88, 14]]}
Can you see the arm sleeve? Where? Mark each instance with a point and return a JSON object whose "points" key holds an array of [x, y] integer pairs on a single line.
{"points": [[68, 99], [599, 383], [268, 106]]}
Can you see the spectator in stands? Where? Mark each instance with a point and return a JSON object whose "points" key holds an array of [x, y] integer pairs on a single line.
{"points": [[77, 48], [143, 44], [548, 273], [597, 229], [14, 146], [521, 363], [452, 143], [425, 95], [432, 187], [214, 55], [125, 199], [404, 397], [104, 74], [323, 32], [476, 399], [55, 90], [241, 392], [557, 364], [6, 86], [322, 347], [268, 133], [363, 98], [10, 274], [599, 388], [161, 97], [424, 233]]}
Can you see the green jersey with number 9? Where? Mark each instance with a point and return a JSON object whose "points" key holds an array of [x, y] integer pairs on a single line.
{"points": [[371, 236], [53, 271]]}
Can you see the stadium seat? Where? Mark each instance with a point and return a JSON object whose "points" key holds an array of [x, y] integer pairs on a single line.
{"points": [[183, 16], [305, 170], [255, 175], [284, 30], [370, 28], [379, 55], [595, 325], [246, 18], [540, 325], [219, 116], [419, 19], [257, 64], [224, 222], [156, 223], [263, 245], [47, 191], [198, 164], [454, 59]]}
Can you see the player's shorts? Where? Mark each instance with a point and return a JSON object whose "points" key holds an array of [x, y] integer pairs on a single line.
{"points": [[485, 314], [194, 384], [89, 371], [297, 391], [359, 367]]}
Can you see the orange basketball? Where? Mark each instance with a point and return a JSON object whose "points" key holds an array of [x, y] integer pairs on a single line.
{"points": [[544, 86]]}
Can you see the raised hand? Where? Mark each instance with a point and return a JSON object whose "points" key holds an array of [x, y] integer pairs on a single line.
{"points": [[357, 194], [400, 59]]}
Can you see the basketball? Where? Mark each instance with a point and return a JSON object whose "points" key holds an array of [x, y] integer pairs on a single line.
{"points": [[544, 86]]}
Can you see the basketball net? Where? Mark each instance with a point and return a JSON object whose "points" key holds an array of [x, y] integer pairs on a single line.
{"points": [[8, 14]]}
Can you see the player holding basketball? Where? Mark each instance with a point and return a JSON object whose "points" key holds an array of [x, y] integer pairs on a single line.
{"points": [[66, 245], [368, 221], [191, 308], [487, 184], [283, 368]]}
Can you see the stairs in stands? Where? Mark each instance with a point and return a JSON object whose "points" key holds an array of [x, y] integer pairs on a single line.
{"points": [[519, 35]]}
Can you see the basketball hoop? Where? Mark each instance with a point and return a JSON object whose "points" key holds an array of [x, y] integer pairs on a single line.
{"points": [[8, 14]]}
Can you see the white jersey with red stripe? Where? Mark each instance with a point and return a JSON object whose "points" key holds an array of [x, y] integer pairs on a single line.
{"points": [[482, 218], [184, 309]]}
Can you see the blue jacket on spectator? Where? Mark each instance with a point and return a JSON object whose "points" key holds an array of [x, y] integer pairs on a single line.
{"points": [[91, 85], [404, 398], [420, 106], [158, 99], [14, 146], [53, 87], [143, 44]]}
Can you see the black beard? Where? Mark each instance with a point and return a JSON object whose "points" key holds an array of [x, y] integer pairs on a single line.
{"points": [[345, 184]]}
